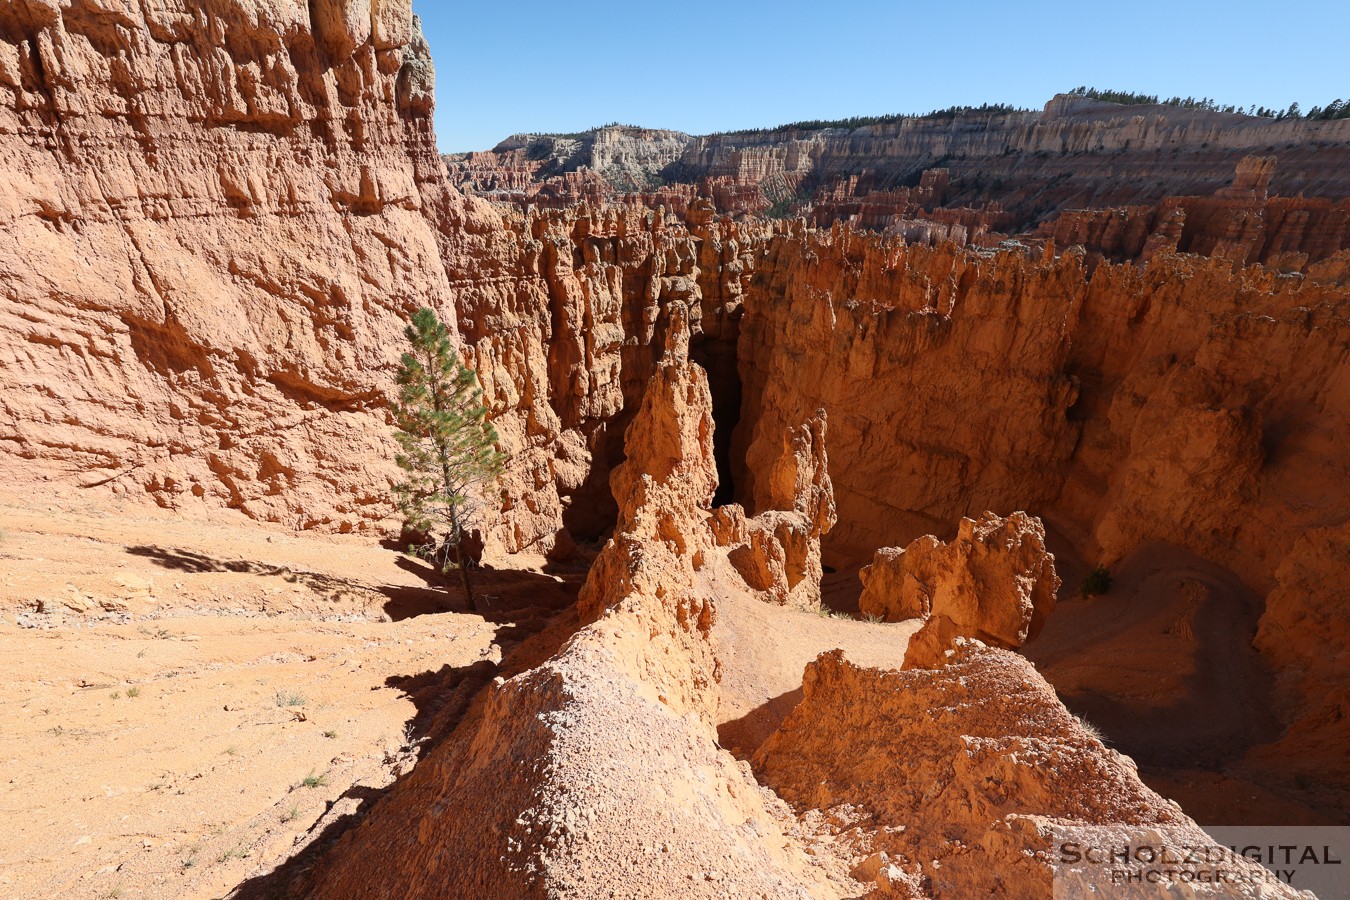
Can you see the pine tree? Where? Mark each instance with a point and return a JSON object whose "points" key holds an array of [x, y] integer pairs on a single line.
{"points": [[449, 447]]}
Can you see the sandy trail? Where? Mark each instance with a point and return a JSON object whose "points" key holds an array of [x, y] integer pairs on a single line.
{"points": [[190, 703], [1163, 665], [765, 649]]}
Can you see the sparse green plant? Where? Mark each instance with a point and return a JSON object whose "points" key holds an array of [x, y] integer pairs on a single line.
{"points": [[781, 209], [291, 814], [290, 699], [449, 447], [330, 734], [133, 692], [231, 750], [115, 695], [1096, 582], [873, 619], [314, 781], [232, 853]]}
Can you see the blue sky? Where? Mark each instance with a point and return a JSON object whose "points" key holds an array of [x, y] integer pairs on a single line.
{"points": [[701, 66]]}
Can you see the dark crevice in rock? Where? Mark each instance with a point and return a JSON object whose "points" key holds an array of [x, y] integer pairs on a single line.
{"points": [[718, 358]]}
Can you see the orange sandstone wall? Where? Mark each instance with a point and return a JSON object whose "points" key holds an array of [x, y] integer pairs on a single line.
{"points": [[215, 216], [564, 328], [1179, 401], [944, 376]]}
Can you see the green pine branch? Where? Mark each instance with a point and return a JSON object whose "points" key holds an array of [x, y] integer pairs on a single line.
{"points": [[449, 448]]}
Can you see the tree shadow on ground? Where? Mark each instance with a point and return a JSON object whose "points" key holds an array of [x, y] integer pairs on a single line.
{"points": [[536, 615], [442, 698], [505, 595]]}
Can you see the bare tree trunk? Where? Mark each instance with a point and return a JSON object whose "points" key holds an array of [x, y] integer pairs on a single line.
{"points": [[457, 542]]}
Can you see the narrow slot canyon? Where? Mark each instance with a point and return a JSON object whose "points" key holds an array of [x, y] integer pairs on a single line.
{"points": [[718, 358]]}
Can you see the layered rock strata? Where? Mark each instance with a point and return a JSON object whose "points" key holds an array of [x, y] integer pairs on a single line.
{"points": [[216, 220], [1240, 223], [598, 773], [613, 158], [565, 325], [777, 552], [1182, 402], [995, 172], [216, 217]]}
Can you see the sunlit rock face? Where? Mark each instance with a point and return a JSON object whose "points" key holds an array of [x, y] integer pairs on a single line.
{"points": [[217, 216]]}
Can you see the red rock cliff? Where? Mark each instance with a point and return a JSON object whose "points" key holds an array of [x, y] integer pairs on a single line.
{"points": [[216, 216]]}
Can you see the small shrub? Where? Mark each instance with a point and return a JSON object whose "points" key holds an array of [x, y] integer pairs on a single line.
{"points": [[826, 613], [284, 699], [1096, 582], [1092, 730], [780, 209], [133, 692], [330, 734], [291, 814], [449, 445], [314, 781]]}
